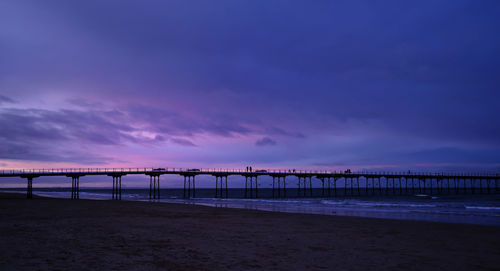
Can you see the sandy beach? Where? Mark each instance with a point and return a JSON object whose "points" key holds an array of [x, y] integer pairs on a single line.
{"points": [[59, 234]]}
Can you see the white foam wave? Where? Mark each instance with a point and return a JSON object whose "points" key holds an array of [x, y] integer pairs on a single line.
{"points": [[482, 207], [376, 204]]}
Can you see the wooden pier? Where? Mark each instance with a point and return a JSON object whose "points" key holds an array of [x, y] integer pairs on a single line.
{"points": [[351, 183]]}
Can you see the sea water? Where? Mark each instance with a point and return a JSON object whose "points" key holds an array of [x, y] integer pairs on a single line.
{"points": [[454, 208]]}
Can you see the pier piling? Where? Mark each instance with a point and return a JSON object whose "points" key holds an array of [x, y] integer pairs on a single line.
{"points": [[29, 191], [75, 187], [154, 186], [221, 189]]}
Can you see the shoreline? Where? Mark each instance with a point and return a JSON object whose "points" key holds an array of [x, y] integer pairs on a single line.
{"points": [[35, 197], [445, 210], [52, 233]]}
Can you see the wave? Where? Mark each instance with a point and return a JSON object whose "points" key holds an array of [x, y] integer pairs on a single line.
{"points": [[482, 207], [376, 204], [258, 200]]}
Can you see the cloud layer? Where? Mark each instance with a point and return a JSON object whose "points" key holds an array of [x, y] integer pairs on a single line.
{"points": [[281, 83]]}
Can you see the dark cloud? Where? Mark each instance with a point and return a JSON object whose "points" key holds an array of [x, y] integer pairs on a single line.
{"points": [[85, 103], [55, 152], [64, 135], [160, 72], [59, 136], [4, 99], [160, 138], [382, 67], [265, 141], [183, 142], [63, 125], [188, 123], [457, 155]]}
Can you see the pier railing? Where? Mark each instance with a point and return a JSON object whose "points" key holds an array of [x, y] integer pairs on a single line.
{"points": [[60, 171]]}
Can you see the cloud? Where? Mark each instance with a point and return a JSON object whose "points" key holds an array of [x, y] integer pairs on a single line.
{"points": [[457, 155], [98, 127], [5, 99], [183, 142], [160, 138], [85, 103], [179, 72], [265, 141], [61, 135], [48, 153], [190, 123]]}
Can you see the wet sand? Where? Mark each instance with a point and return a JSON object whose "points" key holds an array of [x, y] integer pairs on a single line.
{"points": [[59, 234]]}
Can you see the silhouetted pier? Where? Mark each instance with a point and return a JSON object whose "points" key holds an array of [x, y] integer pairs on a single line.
{"points": [[351, 183]]}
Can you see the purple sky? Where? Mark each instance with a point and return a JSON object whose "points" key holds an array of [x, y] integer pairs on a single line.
{"points": [[277, 84]]}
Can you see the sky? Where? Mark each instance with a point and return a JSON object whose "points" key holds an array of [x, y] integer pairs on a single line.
{"points": [[366, 85]]}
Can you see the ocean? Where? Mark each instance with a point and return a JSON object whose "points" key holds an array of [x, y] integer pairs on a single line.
{"points": [[453, 208]]}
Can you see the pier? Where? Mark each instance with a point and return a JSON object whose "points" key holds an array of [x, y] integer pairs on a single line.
{"points": [[350, 183]]}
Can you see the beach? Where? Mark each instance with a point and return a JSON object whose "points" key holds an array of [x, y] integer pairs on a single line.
{"points": [[62, 234]]}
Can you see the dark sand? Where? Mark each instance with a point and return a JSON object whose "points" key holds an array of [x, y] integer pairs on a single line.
{"points": [[58, 234]]}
